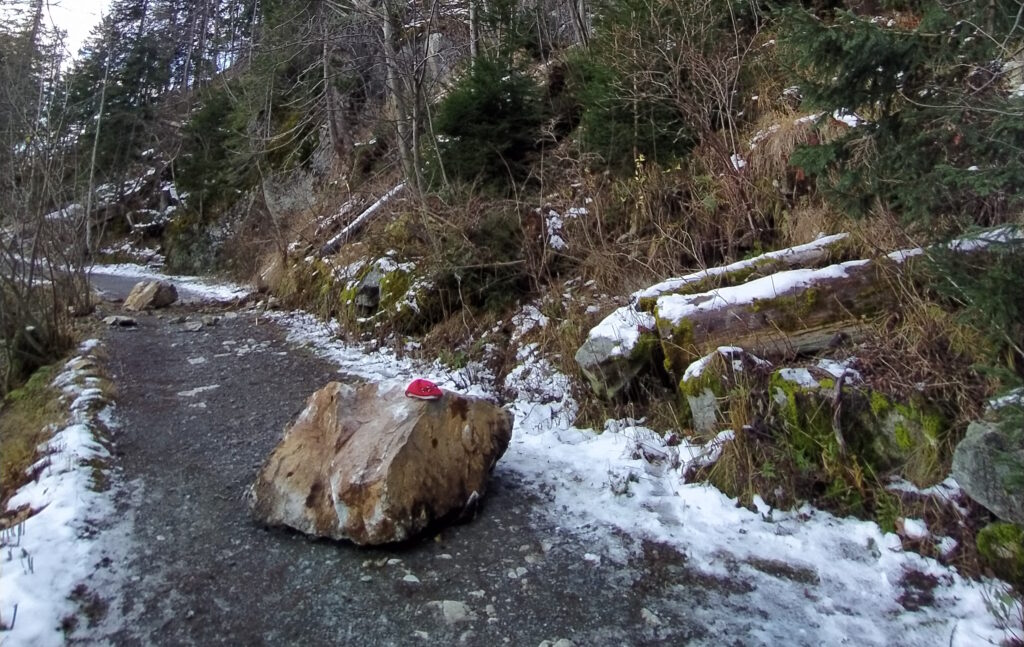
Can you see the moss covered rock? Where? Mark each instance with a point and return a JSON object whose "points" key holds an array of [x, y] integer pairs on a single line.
{"points": [[880, 435], [1001, 547], [989, 465], [709, 385], [617, 350]]}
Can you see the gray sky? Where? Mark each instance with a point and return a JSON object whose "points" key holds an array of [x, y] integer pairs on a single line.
{"points": [[77, 17]]}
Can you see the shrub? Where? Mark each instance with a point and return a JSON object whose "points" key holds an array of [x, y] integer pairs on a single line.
{"points": [[489, 124], [943, 138]]}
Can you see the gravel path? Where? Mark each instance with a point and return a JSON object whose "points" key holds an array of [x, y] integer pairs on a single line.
{"points": [[197, 412]]}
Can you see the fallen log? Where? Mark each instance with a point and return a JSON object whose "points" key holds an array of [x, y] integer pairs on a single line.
{"points": [[786, 314]]}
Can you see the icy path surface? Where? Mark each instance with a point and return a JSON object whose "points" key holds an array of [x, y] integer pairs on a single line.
{"points": [[686, 563]]}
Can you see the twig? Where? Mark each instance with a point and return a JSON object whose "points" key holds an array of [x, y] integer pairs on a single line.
{"points": [[837, 412]]}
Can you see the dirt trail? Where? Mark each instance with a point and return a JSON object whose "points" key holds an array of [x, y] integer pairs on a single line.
{"points": [[197, 412]]}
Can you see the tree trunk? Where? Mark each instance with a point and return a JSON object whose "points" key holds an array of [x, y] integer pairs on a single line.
{"points": [[340, 138], [398, 89]]}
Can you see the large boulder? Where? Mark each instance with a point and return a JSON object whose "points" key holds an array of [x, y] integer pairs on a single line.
{"points": [[151, 294], [367, 464], [987, 464]]}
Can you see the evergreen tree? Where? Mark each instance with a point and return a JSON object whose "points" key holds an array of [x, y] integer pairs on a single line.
{"points": [[944, 134]]}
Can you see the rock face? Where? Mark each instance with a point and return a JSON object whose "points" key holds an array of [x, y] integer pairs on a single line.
{"points": [[987, 465], [367, 464], [617, 350], [151, 294]]}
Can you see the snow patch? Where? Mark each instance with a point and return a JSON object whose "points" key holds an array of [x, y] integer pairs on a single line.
{"points": [[623, 326], [47, 555]]}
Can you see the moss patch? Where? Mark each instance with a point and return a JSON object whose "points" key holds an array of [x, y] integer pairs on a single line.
{"points": [[909, 437], [679, 346], [393, 287], [1001, 548], [789, 312], [27, 419]]}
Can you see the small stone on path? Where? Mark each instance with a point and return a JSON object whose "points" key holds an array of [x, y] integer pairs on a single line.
{"points": [[120, 321], [453, 611]]}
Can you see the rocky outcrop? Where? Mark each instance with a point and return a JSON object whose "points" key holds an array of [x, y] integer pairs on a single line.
{"points": [[617, 350], [366, 464], [987, 464], [709, 381], [151, 294]]}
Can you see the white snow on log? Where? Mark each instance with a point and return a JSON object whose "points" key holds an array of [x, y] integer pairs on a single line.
{"points": [[70, 212], [674, 308], [986, 238], [326, 223], [361, 219], [969, 243], [808, 250], [623, 326]]}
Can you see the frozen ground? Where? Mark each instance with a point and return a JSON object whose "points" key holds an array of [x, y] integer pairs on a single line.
{"points": [[753, 578]]}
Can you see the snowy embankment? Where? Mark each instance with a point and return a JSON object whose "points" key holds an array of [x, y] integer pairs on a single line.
{"points": [[801, 577], [46, 556]]}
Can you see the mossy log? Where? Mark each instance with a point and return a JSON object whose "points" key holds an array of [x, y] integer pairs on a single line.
{"points": [[783, 315], [824, 251]]}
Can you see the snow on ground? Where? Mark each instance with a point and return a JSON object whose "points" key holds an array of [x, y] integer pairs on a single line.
{"points": [[201, 287], [45, 557], [801, 577], [806, 577]]}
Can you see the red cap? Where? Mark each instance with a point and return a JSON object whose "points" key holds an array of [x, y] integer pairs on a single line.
{"points": [[423, 390]]}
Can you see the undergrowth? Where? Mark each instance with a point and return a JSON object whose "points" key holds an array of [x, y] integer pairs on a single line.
{"points": [[27, 419]]}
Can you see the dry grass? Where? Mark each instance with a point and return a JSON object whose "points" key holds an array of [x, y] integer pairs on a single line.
{"points": [[27, 419]]}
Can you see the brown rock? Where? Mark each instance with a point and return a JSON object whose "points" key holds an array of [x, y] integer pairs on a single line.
{"points": [[151, 294], [367, 464]]}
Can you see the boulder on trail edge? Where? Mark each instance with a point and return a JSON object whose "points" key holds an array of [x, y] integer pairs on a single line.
{"points": [[367, 464], [151, 294]]}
